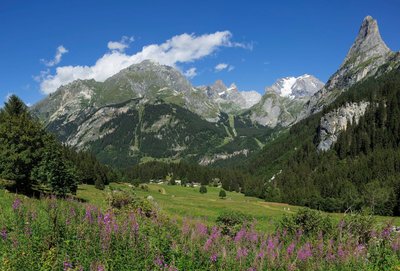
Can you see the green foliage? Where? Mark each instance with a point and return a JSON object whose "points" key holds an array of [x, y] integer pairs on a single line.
{"points": [[231, 222], [121, 199], [203, 189], [35, 160], [308, 222], [222, 194], [21, 142], [361, 171], [56, 172], [359, 225]]}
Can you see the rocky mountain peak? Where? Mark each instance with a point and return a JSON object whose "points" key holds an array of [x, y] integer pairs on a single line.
{"points": [[219, 86], [296, 87], [368, 42]]}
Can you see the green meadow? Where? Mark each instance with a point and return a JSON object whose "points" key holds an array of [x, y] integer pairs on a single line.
{"points": [[180, 202]]}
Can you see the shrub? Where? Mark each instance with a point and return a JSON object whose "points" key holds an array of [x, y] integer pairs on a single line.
{"points": [[120, 199], [359, 225], [231, 222], [222, 194], [203, 189], [144, 187], [309, 222]]}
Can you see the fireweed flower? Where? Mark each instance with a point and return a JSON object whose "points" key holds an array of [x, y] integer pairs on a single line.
{"points": [[159, 261], [67, 265], [290, 249], [3, 234], [213, 258], [386, 232], [359, 250], [16, 204], [208, 244], [88, 215], [242, 253], [305, 252], [240, 235], [201, 229]]}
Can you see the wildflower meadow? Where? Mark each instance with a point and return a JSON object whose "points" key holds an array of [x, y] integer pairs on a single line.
{"points": [[64, 234]]}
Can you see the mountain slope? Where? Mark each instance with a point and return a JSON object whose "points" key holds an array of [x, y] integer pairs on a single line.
{"points": [[368, 56], [283, 101], [145, 112]]}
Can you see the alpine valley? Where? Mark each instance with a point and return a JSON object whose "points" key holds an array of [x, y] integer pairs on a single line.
{"points": [[141, 166], [291, 141]]}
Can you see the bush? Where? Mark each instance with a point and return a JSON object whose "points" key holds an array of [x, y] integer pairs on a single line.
{"points": [[203, 189], [222, 194], [120, 199], [231, 222], [309, 222], [359, 225], [144, 187]]}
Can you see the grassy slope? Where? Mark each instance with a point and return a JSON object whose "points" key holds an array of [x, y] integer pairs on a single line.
{"points": [[180, 202]]}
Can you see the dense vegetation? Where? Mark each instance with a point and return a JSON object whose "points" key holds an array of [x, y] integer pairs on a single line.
{"points": [[230, 179], [54, 234], [35, 160], [361, 171]]}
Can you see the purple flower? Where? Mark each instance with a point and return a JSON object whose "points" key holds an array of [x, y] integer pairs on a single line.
{"points": [[242, 253], [290, 249], [3, 233], [159, 261], [240, 235], [201, 229], [208, 244], [386, 232], [341, 253], [16, 204], [213, 258], [88, 215], [305, 252], [67, 266]]}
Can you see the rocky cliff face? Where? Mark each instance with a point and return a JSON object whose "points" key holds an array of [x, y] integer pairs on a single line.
{"points": [[282, 102], [368, 56], [338, 120], [230, 99]]}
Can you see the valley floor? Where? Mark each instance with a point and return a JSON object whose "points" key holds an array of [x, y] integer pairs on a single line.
{"points": [[180, 202]]}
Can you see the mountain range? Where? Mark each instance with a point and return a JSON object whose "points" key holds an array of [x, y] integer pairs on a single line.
{"points": [[150, 111]]}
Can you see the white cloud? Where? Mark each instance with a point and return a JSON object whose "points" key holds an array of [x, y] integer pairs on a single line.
{"points": [[222, 66], [190, 73], [121, 45], [182, 48], [57, 58]]}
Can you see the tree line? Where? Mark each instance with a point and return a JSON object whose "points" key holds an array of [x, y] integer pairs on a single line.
{"points": [[35, 160]]}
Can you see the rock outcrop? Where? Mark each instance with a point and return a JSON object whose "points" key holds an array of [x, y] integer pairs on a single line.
{"points": [[334, 122]]}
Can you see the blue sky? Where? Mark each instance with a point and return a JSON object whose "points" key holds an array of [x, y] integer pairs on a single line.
{"points": [[262, 41]]}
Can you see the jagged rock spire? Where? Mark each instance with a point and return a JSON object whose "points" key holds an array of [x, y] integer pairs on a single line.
{"points": [[368, 42]]}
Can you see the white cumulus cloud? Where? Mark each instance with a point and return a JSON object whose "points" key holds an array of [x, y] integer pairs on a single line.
{"points": [[222, 66], [190, 73], [182, 48], [57, 58], [121, 45]]}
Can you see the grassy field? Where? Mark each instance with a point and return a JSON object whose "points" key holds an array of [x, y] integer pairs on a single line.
{"points": [[184, 202]]}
